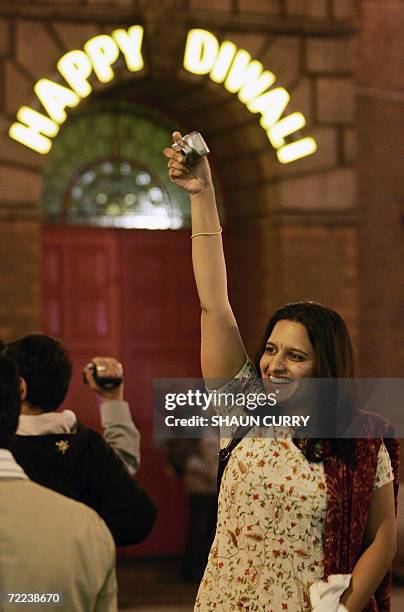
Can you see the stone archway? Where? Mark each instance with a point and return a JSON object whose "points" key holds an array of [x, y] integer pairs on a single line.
{"points": [[281, 210]]}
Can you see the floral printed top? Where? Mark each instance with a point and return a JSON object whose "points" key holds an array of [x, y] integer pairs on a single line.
{"points": [[268, 547]]}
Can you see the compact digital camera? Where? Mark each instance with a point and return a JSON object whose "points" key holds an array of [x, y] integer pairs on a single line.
{"points": [[192, 146]]}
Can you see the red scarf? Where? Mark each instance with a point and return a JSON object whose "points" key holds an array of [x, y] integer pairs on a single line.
{"points": [[349, 490]]}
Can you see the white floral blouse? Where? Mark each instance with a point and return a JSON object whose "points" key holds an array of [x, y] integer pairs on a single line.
{"points": [[268, 547]]}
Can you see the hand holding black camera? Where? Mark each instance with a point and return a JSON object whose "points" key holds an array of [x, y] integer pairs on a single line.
{"points": [[105, 376]]}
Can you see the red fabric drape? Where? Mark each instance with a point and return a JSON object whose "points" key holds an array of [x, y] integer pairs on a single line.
{"points": [[349, 490]]}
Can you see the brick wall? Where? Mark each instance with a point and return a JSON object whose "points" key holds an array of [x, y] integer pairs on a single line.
{"points": [[19, 274], [381, 189]]}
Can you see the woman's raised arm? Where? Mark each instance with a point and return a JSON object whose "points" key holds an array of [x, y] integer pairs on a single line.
{"points": [[222, 350]]}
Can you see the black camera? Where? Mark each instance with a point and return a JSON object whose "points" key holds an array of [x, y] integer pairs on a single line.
{"points": [[105, 382]]}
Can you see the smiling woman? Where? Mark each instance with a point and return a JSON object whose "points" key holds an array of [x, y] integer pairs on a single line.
{"points": [[291, 511], [306, 340], [288, 353]]}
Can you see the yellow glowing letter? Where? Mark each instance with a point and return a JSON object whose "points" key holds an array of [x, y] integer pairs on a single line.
{"points": [[286, 126], [130, 43], [247, 77], [103, 52], [200, 51], [224, 58], [55, 98], [30, 132], [271, 105], [75, 68], [296, 150]]}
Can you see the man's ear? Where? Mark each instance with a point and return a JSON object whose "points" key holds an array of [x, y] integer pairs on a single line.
{"points": [[23, 389]]}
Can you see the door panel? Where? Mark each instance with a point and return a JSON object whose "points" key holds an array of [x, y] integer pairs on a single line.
{"points": [[160, 340], [129, 294]]}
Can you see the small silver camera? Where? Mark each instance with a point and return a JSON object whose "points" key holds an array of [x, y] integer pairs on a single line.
{"points": [[192, 146]]}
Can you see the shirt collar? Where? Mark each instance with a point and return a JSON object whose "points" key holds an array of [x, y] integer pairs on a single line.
{"points": [[9, 468], [47, 423]]}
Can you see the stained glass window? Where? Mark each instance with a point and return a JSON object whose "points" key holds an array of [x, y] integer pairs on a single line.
{"points": [[106, 168]]}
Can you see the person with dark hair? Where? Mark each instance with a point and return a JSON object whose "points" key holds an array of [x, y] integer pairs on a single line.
{"points": [[303, 524], [9, 402], [59, 452], [55, 552], [46, 368]]}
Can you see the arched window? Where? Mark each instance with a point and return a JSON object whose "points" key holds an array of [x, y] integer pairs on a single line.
{"points": [[106, 168]]}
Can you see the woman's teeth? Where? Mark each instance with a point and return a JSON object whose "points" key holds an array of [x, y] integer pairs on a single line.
{"points": [[280, 381]]}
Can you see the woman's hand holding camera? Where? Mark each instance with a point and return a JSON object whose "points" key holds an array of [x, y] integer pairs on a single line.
{"points": [[193, 179]]}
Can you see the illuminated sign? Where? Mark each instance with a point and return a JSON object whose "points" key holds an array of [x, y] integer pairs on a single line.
{"points": [[34, 129], [224, 63], [245, 76]]}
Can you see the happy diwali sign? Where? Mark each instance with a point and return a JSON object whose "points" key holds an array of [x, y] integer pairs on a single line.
{"points": [[223, 63]]}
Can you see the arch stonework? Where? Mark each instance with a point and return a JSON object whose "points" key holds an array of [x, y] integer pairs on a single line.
{"points": [[290, 228]]}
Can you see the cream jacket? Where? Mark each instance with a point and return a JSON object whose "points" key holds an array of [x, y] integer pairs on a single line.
{"points": [[51, 544]]}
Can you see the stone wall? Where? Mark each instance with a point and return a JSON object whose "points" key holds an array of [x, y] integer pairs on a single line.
{"points": [[290, 227]]}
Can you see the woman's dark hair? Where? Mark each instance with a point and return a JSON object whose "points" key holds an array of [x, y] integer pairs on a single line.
{"points": [[9, 401], [332, 345], [45, 366]]}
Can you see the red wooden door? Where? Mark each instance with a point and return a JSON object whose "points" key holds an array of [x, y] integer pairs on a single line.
{"points": [[130, 294]]}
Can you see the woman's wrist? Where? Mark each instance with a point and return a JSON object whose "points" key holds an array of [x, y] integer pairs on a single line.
{"points": [[205, 193], [216, 233]]}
